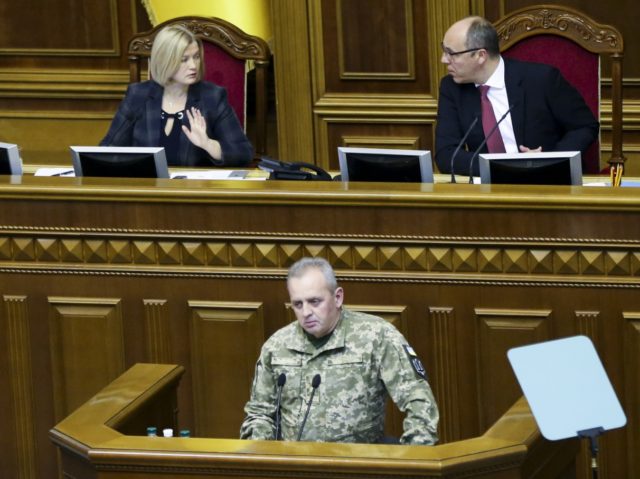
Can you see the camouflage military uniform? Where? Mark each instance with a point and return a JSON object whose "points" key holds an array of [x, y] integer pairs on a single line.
{"points": [[363, 359]]}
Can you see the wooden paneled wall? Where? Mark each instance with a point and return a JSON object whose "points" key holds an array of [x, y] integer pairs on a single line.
{"points": [[97, 274], [63, 71]]}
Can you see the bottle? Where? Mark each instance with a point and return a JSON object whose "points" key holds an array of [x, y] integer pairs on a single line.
{"points": [[168, 432], [152, 431], [185, 433]]}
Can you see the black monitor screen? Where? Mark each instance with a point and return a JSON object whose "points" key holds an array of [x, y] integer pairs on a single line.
{"points": [[402, 166], [5, 166], [531, 169], [10, 162], [120, 162]]}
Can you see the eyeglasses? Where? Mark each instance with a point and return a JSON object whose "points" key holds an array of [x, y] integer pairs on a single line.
{"points": [[452, 54]]}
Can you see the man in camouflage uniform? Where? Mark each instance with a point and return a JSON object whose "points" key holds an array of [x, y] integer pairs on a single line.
{"points": [[359, 358]]}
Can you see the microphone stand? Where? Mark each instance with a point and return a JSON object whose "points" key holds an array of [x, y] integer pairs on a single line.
{"points": [[315, 382], [281, 380], [484, 142], [455, 153], [592, 434]]}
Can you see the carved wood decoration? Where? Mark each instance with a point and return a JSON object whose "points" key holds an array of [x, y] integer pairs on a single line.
{"points": [[214, 30], [214, 253], [562, 21], [586, 32]]}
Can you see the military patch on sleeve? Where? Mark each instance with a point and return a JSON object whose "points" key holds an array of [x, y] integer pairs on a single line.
{"points": [[415, 361]]}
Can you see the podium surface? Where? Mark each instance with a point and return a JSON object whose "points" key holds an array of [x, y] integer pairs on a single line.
{"points": [[92, 445]]}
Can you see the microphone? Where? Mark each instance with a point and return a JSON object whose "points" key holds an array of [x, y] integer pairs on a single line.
{"points": [[455, 152], [281, 380], [315, 382], [484, 142]]}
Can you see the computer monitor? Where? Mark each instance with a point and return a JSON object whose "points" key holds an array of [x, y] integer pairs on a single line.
{"points": [[541, 168], [119, 161], [384, 165], [10, 162]]}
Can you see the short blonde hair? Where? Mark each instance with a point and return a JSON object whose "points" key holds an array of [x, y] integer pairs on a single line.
{"points": [[167, 51]]}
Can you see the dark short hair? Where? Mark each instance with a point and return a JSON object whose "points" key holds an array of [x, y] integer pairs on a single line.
{"points": [[482, 34], [301, 266]]}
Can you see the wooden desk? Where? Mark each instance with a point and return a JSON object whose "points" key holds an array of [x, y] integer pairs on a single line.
{"points": [[105, 438], [100, 274]]}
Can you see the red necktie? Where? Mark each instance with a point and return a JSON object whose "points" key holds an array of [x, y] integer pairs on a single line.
{"points": [[494, 143]]}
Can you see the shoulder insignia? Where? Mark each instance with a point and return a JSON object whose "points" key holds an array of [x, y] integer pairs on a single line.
{"points": [[415, 361]]}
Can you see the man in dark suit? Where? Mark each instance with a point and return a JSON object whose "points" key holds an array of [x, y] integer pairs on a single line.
{"points": [[547, 114]]}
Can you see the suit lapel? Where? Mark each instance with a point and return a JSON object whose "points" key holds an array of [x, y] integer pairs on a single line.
{"points": [[154, 107], [515, 93], [470, 106]]}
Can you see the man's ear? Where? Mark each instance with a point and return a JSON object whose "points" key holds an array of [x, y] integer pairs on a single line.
{"points": [[339, 296]]}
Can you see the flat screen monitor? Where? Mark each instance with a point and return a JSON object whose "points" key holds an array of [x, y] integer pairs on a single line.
{"points": [[10, 162], [543, 168], [384, 165], [119, 161]]}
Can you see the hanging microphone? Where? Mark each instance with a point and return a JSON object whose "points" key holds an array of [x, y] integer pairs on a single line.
{"points": [[484, 142], [315, 382], [281, 380], [455, 153]]}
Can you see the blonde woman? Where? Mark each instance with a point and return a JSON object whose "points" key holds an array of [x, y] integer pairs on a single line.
{"points": [[189, 117]]}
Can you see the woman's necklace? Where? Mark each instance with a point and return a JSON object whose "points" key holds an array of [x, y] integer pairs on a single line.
{"points": [[176, 100]]}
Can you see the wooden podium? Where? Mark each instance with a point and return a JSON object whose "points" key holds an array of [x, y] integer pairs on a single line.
{"points": [[105, 438]]}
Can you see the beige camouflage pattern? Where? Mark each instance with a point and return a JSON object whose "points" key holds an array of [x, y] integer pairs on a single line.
{"points": [[363, 360]]}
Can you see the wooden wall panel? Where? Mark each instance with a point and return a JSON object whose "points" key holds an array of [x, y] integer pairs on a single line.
{"points": [[157, 331], [64, 28], [498, 331], [446, 374], [87, 348], [20, 379], [369, 50], [373, 75], [383, 132], [225, 344], [63, 71]]}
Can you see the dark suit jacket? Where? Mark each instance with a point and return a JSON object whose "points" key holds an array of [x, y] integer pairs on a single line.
{"points": [[137, 123], [547, 112]]}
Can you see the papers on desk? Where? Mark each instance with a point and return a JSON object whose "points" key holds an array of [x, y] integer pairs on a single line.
{"points": [[186, 174], [54, 172], [211, 174], [623, 184]]}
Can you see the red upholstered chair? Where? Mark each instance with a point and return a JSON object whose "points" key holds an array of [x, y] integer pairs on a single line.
{"points": [[575, 44], [227, 50]]}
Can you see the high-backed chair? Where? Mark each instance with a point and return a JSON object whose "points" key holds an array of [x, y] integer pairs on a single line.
{"points": [[574, 43], [227, 51]]}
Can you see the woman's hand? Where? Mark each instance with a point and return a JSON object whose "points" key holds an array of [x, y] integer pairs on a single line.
{"points": [[198, 134]]}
